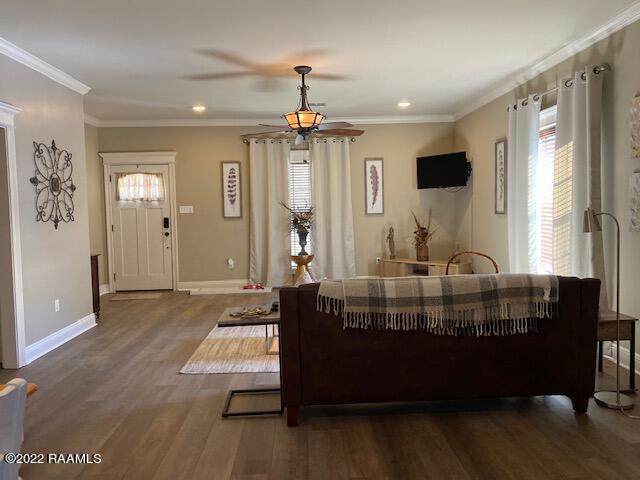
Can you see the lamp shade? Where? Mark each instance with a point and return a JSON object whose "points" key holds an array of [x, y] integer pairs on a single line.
{"points": [[303, 119], [590, 222]]}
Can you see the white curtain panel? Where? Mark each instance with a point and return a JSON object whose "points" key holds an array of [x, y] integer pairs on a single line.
{"points": [[524, 126], [579, 138], [331, 197], [269, 261]]}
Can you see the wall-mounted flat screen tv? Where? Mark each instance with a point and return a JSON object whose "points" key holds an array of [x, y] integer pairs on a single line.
{"points": [[439, 171]]}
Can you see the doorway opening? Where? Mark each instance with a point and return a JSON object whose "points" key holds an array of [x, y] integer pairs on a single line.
{"points": [[12, 325], [140, 214]]}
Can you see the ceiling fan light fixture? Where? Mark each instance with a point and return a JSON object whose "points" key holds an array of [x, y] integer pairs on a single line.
{"points": [[198, 108], [303, 119]]}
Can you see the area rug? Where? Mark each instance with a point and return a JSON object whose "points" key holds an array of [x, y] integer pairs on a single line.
{"points": [[232, 350], [122, 296]]}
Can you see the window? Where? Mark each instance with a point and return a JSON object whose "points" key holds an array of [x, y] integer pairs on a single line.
{"points": [[140, 187], [299, 190], [546, 156], [550, 198]]}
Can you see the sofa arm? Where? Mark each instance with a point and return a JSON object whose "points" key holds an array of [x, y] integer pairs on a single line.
{"points": [[587, 341], [290, 375]]}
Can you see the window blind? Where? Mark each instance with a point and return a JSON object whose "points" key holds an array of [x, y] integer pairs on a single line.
{"points": [[546, 160], [299, 190]]}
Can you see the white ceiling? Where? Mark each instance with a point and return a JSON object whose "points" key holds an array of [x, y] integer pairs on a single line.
{"points": [[437, 54]]}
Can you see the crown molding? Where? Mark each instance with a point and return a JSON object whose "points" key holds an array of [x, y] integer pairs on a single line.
{"points": [[136, 158], [390, 119], [90, 120], [623, 19], [7, 112], [253, 122], [22, 56]]}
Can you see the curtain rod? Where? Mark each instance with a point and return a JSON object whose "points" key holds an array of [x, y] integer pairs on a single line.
{"points": [[246, 140], [568, 83]]}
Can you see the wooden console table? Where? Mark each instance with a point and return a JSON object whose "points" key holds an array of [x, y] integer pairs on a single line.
{"points": [[607, 333], [95, 284], [404, 267]]}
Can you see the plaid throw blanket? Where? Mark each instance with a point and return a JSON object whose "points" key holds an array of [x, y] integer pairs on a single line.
{"points": [[502, 304]]}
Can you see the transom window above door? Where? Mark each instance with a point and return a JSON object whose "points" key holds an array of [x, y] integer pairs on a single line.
{"points": [[140, 187]]}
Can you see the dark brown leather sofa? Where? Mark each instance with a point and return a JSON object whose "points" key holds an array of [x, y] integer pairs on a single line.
{"points": [[324, 364]]}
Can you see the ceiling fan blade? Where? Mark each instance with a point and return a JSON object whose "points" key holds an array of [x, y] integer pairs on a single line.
{"points": [[282, 127], [218, 76], [265, 133], [331, 125], [327, 76], [227, 57], [341, 132]]}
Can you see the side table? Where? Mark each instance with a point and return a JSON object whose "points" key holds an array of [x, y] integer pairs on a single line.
{"points": [[273, 319], [607, 332]]}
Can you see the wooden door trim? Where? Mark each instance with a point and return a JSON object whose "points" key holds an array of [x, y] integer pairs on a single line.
{"points": [[13, 328], [111, 160]]}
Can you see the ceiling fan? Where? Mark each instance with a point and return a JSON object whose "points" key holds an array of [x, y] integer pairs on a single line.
{"points": [[269, 75], [305, 122]]}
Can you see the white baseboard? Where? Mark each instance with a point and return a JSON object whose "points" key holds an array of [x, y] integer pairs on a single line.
{"points": [[218, 287], [185, 286], [227, 291], [625, 355], [62, 336], [104, 289]]}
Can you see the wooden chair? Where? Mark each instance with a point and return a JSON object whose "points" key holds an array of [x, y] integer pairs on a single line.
{"points": [[12, 404], [470, 252]]}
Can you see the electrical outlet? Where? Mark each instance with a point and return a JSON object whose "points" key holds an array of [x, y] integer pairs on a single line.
{"points": [[56, 305], [378, 260], [231, 264]]}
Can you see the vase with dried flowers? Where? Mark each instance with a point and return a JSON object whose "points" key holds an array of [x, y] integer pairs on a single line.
{"points": [[301, 220], [421, 236]]}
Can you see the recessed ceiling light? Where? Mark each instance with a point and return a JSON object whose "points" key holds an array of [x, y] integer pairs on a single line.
{"points": [[404, 104], [198, 108]]}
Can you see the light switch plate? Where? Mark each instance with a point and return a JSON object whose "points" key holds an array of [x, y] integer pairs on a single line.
{"points": [[186, 209]]}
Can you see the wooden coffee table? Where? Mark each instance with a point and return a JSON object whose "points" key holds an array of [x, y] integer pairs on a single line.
{"points": [[273, 320]]}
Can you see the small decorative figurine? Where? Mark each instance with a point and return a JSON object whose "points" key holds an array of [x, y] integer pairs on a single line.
{"points": [[392, 243]]}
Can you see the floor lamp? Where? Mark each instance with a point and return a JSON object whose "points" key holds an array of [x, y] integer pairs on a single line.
{"points": [[615, 400]]}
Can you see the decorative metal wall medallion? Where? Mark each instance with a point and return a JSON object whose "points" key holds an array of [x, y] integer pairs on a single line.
{"points": [[54, 185]]}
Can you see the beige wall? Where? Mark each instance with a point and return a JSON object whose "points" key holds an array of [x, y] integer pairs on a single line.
{"points": [[95, 175], [478, 131], [206, 240], [399, 145], [55, 262]]}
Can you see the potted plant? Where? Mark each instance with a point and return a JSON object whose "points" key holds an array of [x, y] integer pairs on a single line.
{"points": [[300, 221], [421, 236]]}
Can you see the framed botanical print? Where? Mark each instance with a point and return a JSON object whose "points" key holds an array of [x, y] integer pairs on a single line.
{"points": [[501, 177], [231, 190], [374, 186]]}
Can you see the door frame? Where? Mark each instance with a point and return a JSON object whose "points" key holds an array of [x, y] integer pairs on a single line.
{"points": [[13, 323], [115, 159]]}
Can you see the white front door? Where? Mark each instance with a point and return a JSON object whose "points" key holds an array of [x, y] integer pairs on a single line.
{"points": [[141, 221]]}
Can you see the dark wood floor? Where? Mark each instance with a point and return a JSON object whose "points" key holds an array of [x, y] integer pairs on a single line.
{"points": [[115, 390]]}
